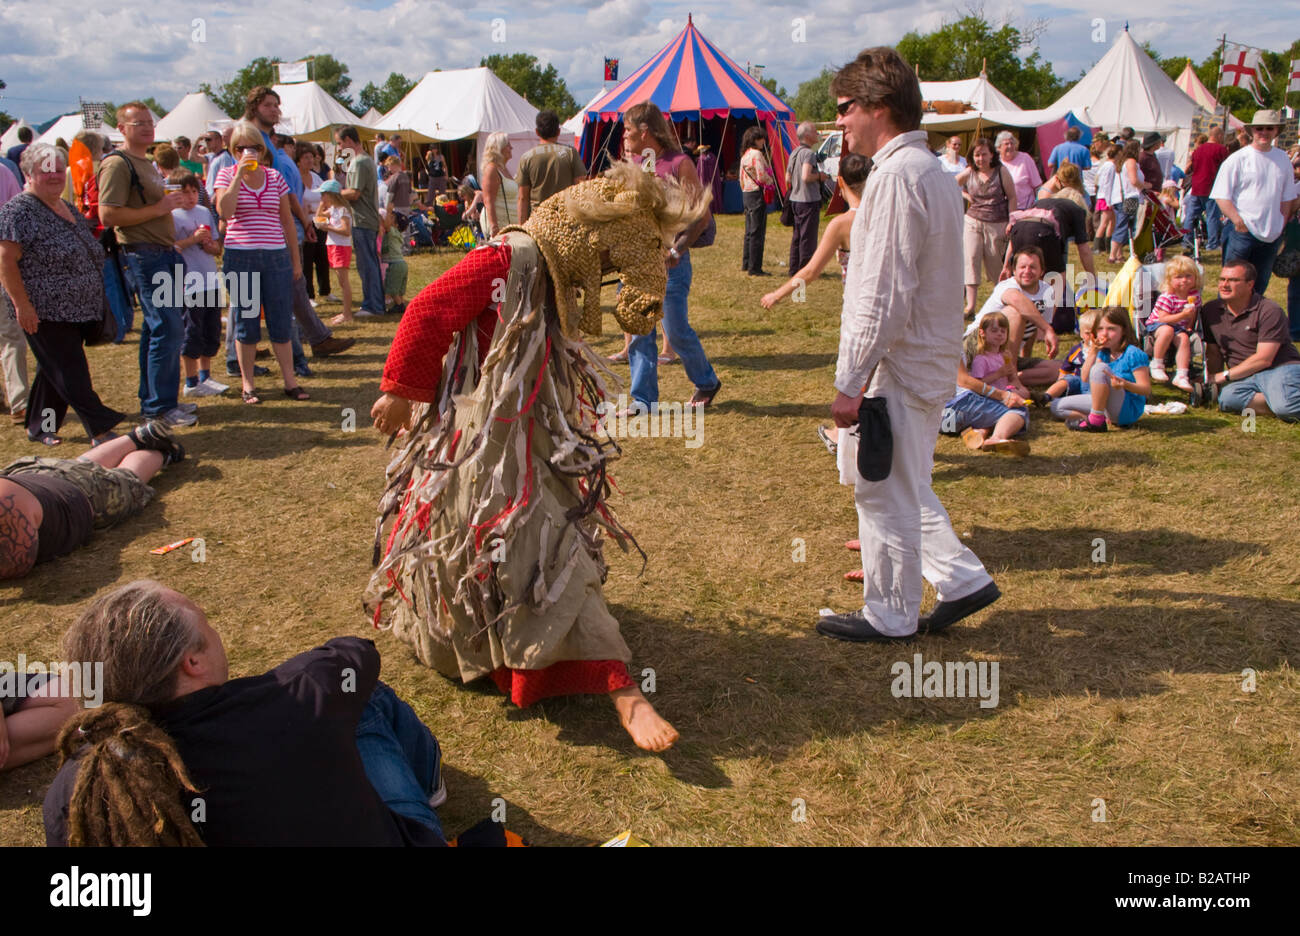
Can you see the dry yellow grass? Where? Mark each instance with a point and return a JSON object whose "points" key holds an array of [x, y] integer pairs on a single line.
{"points": [[1119, 681]]}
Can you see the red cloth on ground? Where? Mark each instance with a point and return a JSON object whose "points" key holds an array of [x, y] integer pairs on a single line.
{"points": [[568, 677], [470, 290]]}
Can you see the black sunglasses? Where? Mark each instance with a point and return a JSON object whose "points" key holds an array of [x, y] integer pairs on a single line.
{"points": [[843, 107]]}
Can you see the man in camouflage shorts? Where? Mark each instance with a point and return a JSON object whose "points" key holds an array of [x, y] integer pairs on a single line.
{"points": [[49, 506]]}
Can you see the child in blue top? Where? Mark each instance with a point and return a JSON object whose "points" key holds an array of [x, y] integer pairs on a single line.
{"points": [[1119, 382]]}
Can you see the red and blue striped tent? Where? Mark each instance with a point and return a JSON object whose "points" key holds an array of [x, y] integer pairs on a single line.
{"points": [[693, 82]]}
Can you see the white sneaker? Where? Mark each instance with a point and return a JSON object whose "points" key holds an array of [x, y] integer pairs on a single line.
{"points": [[199, 390], [216, 387], [178, 417], [1158, 374], [1182, 383]]}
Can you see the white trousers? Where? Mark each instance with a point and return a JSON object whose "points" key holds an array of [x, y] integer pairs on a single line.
{"points": [[905, 532]]}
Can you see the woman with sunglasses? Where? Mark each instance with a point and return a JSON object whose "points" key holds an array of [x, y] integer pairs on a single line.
{"points": [[253, 199]]}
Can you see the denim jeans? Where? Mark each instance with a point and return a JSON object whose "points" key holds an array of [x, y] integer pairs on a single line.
{"points": [[1293, 306], [1198, 205], [115, 289], [643, 355], [366, 250], [1247, 246], [272, 271], [400, 755], [161, 331], [751, 258], [1280, 386]]}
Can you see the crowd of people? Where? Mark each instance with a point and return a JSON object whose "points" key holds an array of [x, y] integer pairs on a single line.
{"points": [[85, 228]]}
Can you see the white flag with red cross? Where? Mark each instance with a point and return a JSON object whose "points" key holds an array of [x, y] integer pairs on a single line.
{"points": [[1294, 84], [1241, 65]]}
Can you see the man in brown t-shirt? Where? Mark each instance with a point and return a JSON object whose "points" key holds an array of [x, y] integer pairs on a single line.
{"points": [[133, 201], [548, 167], [1251, 334]]}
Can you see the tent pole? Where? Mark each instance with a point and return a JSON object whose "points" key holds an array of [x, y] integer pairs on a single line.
{"points": [[1218, 79]]}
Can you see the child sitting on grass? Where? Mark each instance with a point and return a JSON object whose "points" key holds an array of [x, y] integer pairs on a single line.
{"points": [[989, 407], [335, 218], [1077, 363], [1121, 366], [1172, 319]]}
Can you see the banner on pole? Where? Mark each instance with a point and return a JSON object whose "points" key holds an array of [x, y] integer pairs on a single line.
{"points": [[1241, 65], [611, 69], [1294, 83], [291, 72]]}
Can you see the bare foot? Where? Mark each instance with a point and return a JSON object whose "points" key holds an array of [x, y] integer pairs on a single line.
{"points": [[642, 722], [342, 318]]}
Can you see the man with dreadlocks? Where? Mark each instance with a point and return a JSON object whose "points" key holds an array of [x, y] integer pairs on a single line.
{"points": [[493, 565], [317, 751]]}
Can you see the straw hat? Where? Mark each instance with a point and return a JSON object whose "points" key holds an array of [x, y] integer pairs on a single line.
{"points": [[1266, 118]]}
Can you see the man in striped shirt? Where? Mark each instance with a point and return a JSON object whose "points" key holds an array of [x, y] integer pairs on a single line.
{"points": [[900, 338]]}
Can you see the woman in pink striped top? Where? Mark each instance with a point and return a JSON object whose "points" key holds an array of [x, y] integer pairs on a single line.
{"points": [[253, 199]]}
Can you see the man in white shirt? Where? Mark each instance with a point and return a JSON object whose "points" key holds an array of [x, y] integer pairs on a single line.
{"points": [[900, 337], [1257, 192]]}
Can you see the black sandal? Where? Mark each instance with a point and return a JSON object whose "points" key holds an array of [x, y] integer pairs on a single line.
{"points": [[46, 438], [297, 393], [251, 397]]}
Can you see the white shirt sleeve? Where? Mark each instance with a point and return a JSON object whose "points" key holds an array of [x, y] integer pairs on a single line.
{"points": [[1226, 180], [885, 282]]}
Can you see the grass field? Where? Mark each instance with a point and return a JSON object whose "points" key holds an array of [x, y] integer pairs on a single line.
{"points": [[1120, 681]]}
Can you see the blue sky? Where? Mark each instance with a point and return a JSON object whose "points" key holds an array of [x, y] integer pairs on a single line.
{"points": [[55, 50]]}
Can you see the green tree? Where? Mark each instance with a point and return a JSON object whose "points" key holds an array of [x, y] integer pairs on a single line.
{"points": [[385, 97], [541, 87], [959, 49], [325, 70], [771, 85], [813, 101]]}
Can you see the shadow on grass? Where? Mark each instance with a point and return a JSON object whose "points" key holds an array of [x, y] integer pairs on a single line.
{"points": [[1129, 552], [771, 362], [470, 801], [735, 333], [791, 410], [966, 464]]}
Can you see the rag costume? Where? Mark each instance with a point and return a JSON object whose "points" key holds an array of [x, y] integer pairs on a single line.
{"points": [[493, 563]]}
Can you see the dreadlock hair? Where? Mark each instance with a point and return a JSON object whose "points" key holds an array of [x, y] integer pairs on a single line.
{"points": [[130, 779], [128, 783]]}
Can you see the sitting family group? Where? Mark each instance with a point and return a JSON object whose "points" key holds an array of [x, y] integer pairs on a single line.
{"points": [[1106, 378]]}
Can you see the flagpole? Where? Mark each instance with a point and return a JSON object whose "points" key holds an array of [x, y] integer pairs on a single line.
{"points": [[1223, 40]]}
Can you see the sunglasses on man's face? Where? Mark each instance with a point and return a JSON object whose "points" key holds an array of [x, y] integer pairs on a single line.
{"points": [[843, 107]]}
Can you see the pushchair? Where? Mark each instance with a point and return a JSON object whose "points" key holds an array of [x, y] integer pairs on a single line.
{"points": [[1136, 288], [1156, 228]]}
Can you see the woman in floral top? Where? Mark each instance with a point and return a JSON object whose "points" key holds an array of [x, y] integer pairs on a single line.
{"points": [[51, 265], [755, 172]]}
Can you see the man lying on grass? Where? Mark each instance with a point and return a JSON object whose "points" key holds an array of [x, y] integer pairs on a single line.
{"points": [[317, 751]]}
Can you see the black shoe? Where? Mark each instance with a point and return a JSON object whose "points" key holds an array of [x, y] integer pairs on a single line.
{"points": [[1085, 425], [302, 370], [331, 345], [258, 370], [946, 613], [759, 273], [156, 436], [705, 397], [855, 627]]}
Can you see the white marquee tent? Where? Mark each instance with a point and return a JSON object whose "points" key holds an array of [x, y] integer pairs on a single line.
{"points": [[10, 137], [192, 117], [574, 124], [69, 125], [308, 112], [371, 118], [465, 103], [1128, 89], [978, 92]]}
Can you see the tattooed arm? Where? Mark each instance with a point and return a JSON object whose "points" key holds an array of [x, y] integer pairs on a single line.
{"points": [[17, 533]]}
